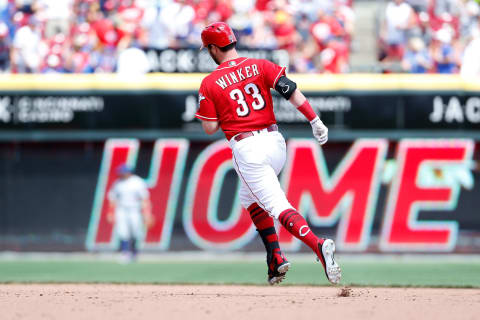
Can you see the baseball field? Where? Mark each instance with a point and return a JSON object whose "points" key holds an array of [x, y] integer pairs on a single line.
{"points": [[234, 286]]}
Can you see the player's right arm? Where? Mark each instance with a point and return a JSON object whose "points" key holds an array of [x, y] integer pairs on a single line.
{"points": [[206, 111], [210, 127], [112, 204]]}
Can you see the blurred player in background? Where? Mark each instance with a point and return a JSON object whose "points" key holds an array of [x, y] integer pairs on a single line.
{"points": [[236, 97], [129, 209]]}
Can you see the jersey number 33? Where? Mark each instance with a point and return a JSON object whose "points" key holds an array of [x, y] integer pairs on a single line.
{"points": [[251, 89]]}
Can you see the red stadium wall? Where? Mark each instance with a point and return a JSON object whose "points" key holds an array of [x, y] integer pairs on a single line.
{"points": [[384, 193], [339, 196]]}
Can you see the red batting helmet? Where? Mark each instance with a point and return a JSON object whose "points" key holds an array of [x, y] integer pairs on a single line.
{"points": [[219, 34]]}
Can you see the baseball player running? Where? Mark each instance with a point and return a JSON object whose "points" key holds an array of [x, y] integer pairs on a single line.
{"points": [[236, 97], [129, 202]]}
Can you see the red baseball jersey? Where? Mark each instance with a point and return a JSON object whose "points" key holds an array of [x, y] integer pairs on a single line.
{"points": [[237, 95]]}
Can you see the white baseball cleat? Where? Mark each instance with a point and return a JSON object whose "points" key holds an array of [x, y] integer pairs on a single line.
{"points": [[332, 269]]}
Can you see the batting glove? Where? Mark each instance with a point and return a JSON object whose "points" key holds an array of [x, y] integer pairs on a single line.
{"points": [[320, 131]]}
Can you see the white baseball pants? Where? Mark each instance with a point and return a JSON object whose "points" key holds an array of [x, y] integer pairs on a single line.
{"points": [[258, 160], [128, 223]]}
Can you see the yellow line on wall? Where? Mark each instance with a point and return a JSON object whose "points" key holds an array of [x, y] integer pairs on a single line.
{"points": [[178, 81]]}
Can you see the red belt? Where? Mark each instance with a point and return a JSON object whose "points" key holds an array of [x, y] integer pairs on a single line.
{"points": [[244, 135]]}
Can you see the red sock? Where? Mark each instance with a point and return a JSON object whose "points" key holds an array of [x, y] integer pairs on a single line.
{"points": [[298, 226], [265, 227]]}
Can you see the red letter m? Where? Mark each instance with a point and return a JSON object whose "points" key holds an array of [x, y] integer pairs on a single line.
{"points": [[349, 195]]}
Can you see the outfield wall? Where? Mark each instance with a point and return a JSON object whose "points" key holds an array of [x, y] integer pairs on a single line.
{"points": [[372, 194], [400, 172], [86, 107]]}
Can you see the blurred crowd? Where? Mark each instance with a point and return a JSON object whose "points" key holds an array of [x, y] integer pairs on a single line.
{"points": [[431, 36], [87, 36], [91, 36]]}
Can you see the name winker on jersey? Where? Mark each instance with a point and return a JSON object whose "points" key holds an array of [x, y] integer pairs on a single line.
{"points": [[231, 78]]}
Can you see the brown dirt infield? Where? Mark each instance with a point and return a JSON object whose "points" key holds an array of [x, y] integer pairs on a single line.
{"points": [[104, 301]]}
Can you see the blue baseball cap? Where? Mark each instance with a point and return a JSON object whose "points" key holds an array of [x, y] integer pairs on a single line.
{"points": [[124, 169]]}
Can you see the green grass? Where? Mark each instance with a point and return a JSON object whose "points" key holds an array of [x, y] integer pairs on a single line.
{"points": [[358, 273]]}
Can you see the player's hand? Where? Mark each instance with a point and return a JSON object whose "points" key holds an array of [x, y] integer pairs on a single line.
{"points": [[111, 217], [320, 131], [149, 220]]}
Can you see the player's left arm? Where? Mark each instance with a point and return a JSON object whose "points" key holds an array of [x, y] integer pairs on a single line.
{"points": [[288, 89], [144, 195], [147, 212]]}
